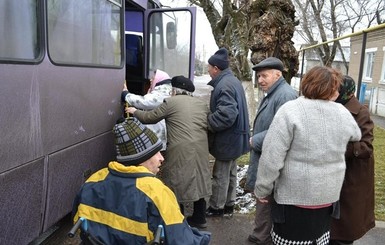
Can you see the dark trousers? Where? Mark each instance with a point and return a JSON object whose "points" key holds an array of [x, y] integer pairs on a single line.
{"points": [[263, 222], [199, 211]]}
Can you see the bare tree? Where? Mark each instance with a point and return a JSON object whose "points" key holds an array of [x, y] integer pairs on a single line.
{"points": [[263, 27], [361, 14], [317, 25], [323, 20]]}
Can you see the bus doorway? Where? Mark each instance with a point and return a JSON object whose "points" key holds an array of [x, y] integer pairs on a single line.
{"points": [[158, 38]]}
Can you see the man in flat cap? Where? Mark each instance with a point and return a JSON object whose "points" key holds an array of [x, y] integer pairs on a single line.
{"points": [[185, 170], [277, 92], [229, 132]]}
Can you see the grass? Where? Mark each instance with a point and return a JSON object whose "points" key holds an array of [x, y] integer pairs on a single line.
{"points": [[379, 156]]}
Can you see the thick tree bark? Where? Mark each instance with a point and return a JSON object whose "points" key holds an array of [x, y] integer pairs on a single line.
{"points": [[264, 27], [260, 28]]}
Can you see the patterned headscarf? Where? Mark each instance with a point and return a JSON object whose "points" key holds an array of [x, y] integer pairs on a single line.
{"points": [[347, 90]]}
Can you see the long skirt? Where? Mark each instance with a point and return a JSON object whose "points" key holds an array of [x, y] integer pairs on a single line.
{"points": [[295, 225]]}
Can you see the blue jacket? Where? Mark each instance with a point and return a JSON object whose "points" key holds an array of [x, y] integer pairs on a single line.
{"points": [[277, 95], [125, 205], [228, 120]]}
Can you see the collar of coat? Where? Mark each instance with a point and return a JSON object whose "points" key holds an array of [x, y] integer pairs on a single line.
{"points": [[280, 81], [214, 82], [353, 105], [121, 170]]}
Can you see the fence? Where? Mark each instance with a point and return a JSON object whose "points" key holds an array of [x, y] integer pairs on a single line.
{"points": [[368, 70]]}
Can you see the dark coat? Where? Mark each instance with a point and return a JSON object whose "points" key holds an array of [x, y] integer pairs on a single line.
{"points": [[357, 194], [280, 93], [228, 120], [186, 168]]}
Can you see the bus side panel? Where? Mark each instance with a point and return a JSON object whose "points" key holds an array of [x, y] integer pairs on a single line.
{"points": [[78, 103], [79, 107], [47, 108], [21, 195], [69, 168], [20, 127]]}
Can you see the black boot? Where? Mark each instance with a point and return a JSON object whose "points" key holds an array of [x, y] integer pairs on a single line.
{"points": [[212, 212], [198, 218], [229, 210]]}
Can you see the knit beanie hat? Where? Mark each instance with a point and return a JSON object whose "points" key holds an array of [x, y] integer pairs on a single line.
{"points": [[346, 90], [134, 142], [220, 59], [183, 83], [158, 77]]}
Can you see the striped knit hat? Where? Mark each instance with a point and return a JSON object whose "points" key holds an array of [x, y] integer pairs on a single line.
{"points": [[135, 143]]}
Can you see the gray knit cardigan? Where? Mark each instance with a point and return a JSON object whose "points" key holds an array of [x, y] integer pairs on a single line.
{"points": [[303, 154]]}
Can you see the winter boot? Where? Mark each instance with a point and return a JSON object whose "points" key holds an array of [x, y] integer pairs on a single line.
{"points": [[212, 212], [198, 218], [229, 210]]}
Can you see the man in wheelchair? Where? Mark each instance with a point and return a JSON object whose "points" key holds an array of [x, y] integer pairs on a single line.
{"points": [[125, 203]]}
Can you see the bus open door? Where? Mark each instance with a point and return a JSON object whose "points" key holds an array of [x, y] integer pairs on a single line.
{"points": [[158, 38]]}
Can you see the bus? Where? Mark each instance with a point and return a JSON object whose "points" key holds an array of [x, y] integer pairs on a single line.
{"points": [[62, 68]]}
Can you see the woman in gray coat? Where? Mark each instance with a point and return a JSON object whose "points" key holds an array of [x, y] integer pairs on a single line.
{"points": [[185, 170]]}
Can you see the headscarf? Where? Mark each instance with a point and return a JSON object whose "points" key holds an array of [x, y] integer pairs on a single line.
{"points": [[158, 77], [346, 90]]}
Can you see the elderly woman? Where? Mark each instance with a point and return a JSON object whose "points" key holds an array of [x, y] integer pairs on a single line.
{"points": [[185, 170], [160, 89], [303, 160], [356, 218]]}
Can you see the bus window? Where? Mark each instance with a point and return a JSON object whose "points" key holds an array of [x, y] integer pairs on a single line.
{"points": [[170, 42], [19, 30], [84, 39]]}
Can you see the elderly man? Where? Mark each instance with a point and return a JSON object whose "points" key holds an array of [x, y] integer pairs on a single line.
{"points": [[125, 203], [277, 92], [229, 132]]}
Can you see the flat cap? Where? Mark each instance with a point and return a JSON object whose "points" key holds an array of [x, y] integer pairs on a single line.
{"points": [[183, 83], [269, 63]]}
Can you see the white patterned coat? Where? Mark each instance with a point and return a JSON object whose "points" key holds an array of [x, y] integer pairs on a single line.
{"points": [[150, 101]]}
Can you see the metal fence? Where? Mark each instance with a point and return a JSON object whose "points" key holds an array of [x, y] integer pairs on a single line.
{"points": [[370, 93]]}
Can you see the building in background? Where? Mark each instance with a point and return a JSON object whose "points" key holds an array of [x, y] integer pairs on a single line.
{"points": [[373, 75], [312, 59]]}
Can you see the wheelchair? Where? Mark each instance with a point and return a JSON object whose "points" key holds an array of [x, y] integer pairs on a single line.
{"points": [[88, 239]]}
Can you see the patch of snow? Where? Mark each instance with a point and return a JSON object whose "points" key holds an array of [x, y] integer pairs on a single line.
{"points": [[244, 203]]}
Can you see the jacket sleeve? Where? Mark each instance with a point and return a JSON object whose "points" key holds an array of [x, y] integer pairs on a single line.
{"points": [[276, 144], [257, 141], [362, 149], [183, 234], [145, 102], [176, 229], [153, 116]]}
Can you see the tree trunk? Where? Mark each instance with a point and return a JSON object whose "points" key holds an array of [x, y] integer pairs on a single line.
{"points": [[259, 28]]}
